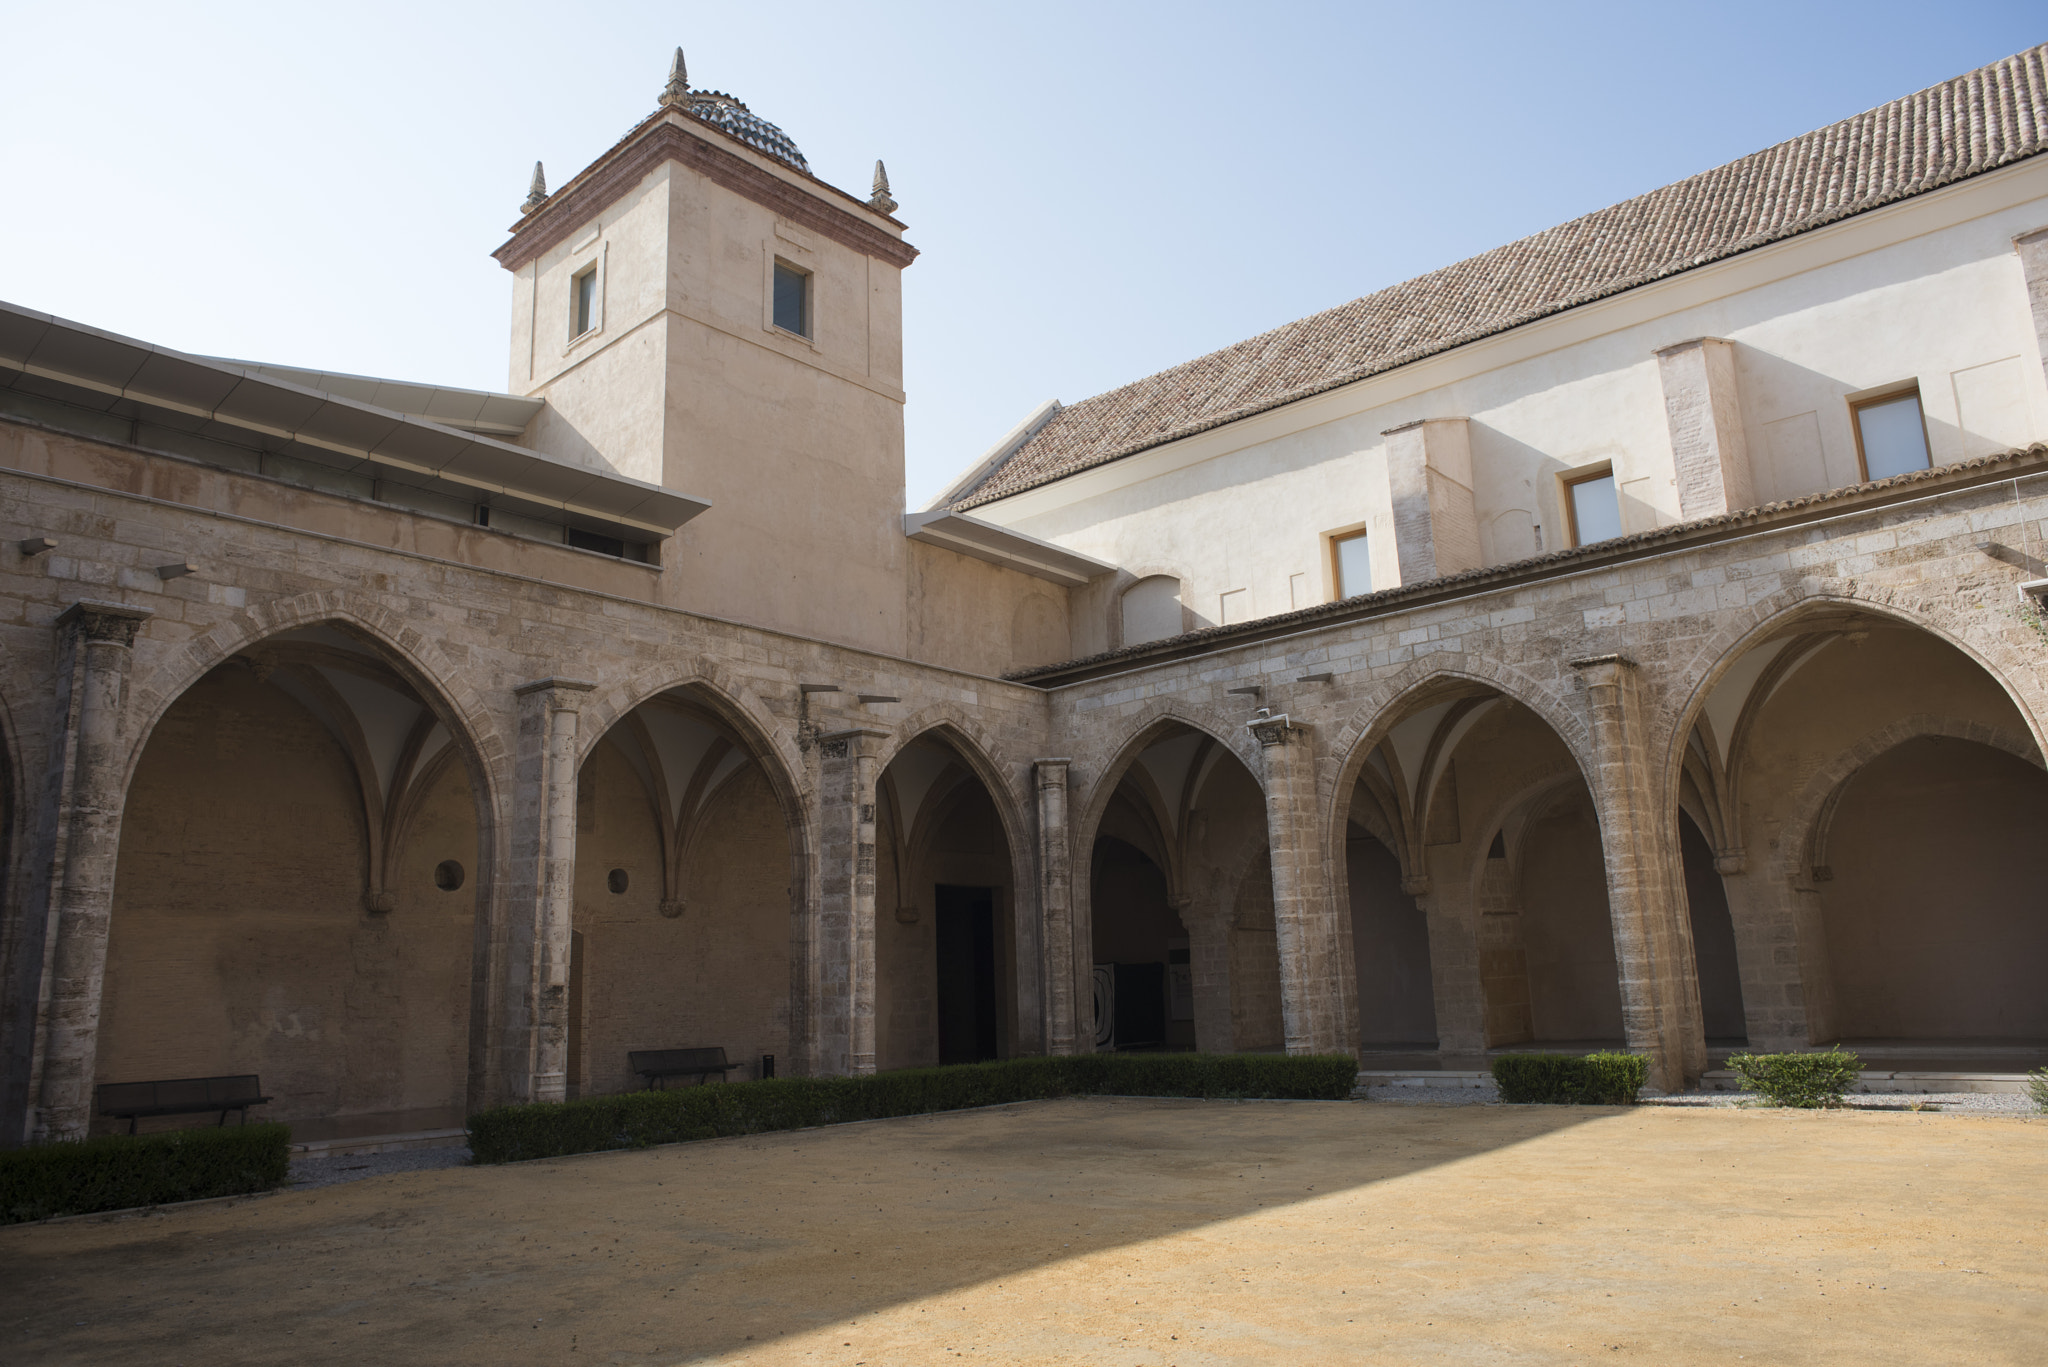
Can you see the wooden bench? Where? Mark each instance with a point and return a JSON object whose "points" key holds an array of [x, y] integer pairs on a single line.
{"points": [[131, 1101], [658, 1065]]}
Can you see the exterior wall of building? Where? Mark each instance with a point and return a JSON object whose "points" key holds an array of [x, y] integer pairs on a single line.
{"points": [[1930, 290]]}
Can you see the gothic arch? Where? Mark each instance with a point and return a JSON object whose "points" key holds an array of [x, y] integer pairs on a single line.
{"points": [[1816, 800], [733, 700], [1144, 732], [1675, 707], [472, 726], [953, 727]]}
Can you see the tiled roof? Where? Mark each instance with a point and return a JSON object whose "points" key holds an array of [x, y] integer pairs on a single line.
{"points": [[1992, 117]]}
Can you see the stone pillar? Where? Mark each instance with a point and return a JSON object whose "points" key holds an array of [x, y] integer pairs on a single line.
{"points": [[1063, 1025], [82, 833], [2033, 252], [1708, 448], [845, 1003], [1660, 996], [542, 895], [1318, 1014], [1436, 523], [1445, 900]]}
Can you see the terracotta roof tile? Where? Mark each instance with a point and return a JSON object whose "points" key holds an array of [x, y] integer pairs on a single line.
{"points": [[1989, 118]]}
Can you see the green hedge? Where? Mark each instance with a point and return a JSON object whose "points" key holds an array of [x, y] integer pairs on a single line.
{"points": [[637, 1119], [2037, 1087], [1798, 1079], [121, 1171], [1571, 1079]]}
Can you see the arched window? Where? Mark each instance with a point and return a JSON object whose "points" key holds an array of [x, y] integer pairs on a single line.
{"points": [[1152, 610]]}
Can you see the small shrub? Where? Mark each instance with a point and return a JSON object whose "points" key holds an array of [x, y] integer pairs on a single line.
{"points": [[2037, 1087], [121, 1171], [1609, 1079], [1806, 1080], [637, 1119]]}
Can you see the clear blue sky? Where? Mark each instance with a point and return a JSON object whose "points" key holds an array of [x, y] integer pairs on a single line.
{"points": [[1100, 189]]}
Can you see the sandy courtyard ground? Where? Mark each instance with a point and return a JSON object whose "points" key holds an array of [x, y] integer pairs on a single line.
{"points": [[1109, 1232]]}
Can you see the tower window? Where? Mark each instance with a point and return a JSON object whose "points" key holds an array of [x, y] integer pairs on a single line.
{"points": [[583, 306], [792, 299], [1594, 507], [1891, 435], [1353, 558]]}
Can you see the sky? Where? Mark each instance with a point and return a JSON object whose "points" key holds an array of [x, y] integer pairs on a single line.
{"points": [[1099, 190]]}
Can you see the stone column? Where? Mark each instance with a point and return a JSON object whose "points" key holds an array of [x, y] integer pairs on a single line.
{"points": [[542, 894], [1708, 448], [82, 833], [1436, 522], [1445, 900], [845, 1003], [1056, 909], [1660, 996], [1319, 1016]]}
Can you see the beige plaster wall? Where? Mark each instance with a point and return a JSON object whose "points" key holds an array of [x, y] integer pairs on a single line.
{"points": [[718, 974], [239, 941], [1574, 991], [1937, 913], [977, 616]]}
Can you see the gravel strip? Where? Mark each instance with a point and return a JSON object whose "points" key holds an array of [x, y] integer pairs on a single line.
{"points": [[308, 1173]]}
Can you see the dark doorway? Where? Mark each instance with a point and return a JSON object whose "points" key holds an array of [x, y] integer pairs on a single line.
{"points": [[967, 973]]}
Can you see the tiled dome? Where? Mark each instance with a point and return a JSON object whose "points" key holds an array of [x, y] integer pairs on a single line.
{"points": [[725, 112]]}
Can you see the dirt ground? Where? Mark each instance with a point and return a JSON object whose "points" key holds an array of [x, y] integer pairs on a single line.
{"points": [[1109, 1232]]}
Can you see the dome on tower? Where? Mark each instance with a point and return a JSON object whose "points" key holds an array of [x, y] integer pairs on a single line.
{"points": [[723, 111]]}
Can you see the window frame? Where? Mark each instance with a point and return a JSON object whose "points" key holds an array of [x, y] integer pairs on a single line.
{"points": [[1333, 558], [591, 268], [776, 266], [1570, 479], [1877, 398]]}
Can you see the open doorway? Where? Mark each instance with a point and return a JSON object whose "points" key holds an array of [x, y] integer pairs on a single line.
{"points": [[967, 997]]}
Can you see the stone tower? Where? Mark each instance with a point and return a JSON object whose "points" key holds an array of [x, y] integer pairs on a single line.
{"points": [[702, 313]]}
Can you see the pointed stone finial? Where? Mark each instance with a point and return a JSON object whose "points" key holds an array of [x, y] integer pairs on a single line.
{"points": [[536, 193], [677, 91], [880, 201]]}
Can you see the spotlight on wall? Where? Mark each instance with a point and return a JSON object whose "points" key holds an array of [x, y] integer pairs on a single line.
{"points": [[1315, 678], [177, 571], [36, 545]]}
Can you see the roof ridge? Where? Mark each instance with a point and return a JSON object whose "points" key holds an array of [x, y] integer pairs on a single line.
{"points": [[1964, 126]]}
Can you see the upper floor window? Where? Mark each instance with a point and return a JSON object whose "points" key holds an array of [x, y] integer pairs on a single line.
{"points": [[1151, 609], [792, 299], [1593, 507], [1891, 436], [583, 303], [1352, 558]]}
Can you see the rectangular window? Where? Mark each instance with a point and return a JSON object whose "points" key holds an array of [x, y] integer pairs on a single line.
{"points": [[1354, 565], [1891, 437], [1595, 510], [583, 308], [792, 300]]}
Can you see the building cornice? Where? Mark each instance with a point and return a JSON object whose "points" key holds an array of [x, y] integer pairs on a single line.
{"points": [[661, 140]]}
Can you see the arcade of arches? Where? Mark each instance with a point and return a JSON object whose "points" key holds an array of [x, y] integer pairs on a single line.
{"points": [[309, 886]]}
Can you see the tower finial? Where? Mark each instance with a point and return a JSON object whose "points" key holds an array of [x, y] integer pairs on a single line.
{"points": [[880, 201], [537, 193], [677, 91]]}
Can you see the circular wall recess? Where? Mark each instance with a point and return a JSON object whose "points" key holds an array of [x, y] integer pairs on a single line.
{"points": [[448, 875], [617, 880]]}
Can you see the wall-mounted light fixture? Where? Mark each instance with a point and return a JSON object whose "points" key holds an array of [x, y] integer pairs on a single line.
{"points": [[177, 571], [36, 545]]}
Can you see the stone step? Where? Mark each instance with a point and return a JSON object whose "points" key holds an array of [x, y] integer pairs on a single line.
{"points": [[380, 1143], [1423, 1077], [1900, 1080]]}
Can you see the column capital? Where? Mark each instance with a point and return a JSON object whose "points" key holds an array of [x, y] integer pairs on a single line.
{"points": [[1278, 730], [853, 740], [1603, 671], [1051, 770], [97, 621], [564, 695]]}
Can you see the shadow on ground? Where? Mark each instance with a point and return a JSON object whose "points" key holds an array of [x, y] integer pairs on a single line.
{"points": [[690, 1250]]}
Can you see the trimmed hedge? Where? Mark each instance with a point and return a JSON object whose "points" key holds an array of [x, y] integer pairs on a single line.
{"points": [[637, 1119], [1798, 1079], [2037, 1087], [120, 1171], [1571, 1079]]}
